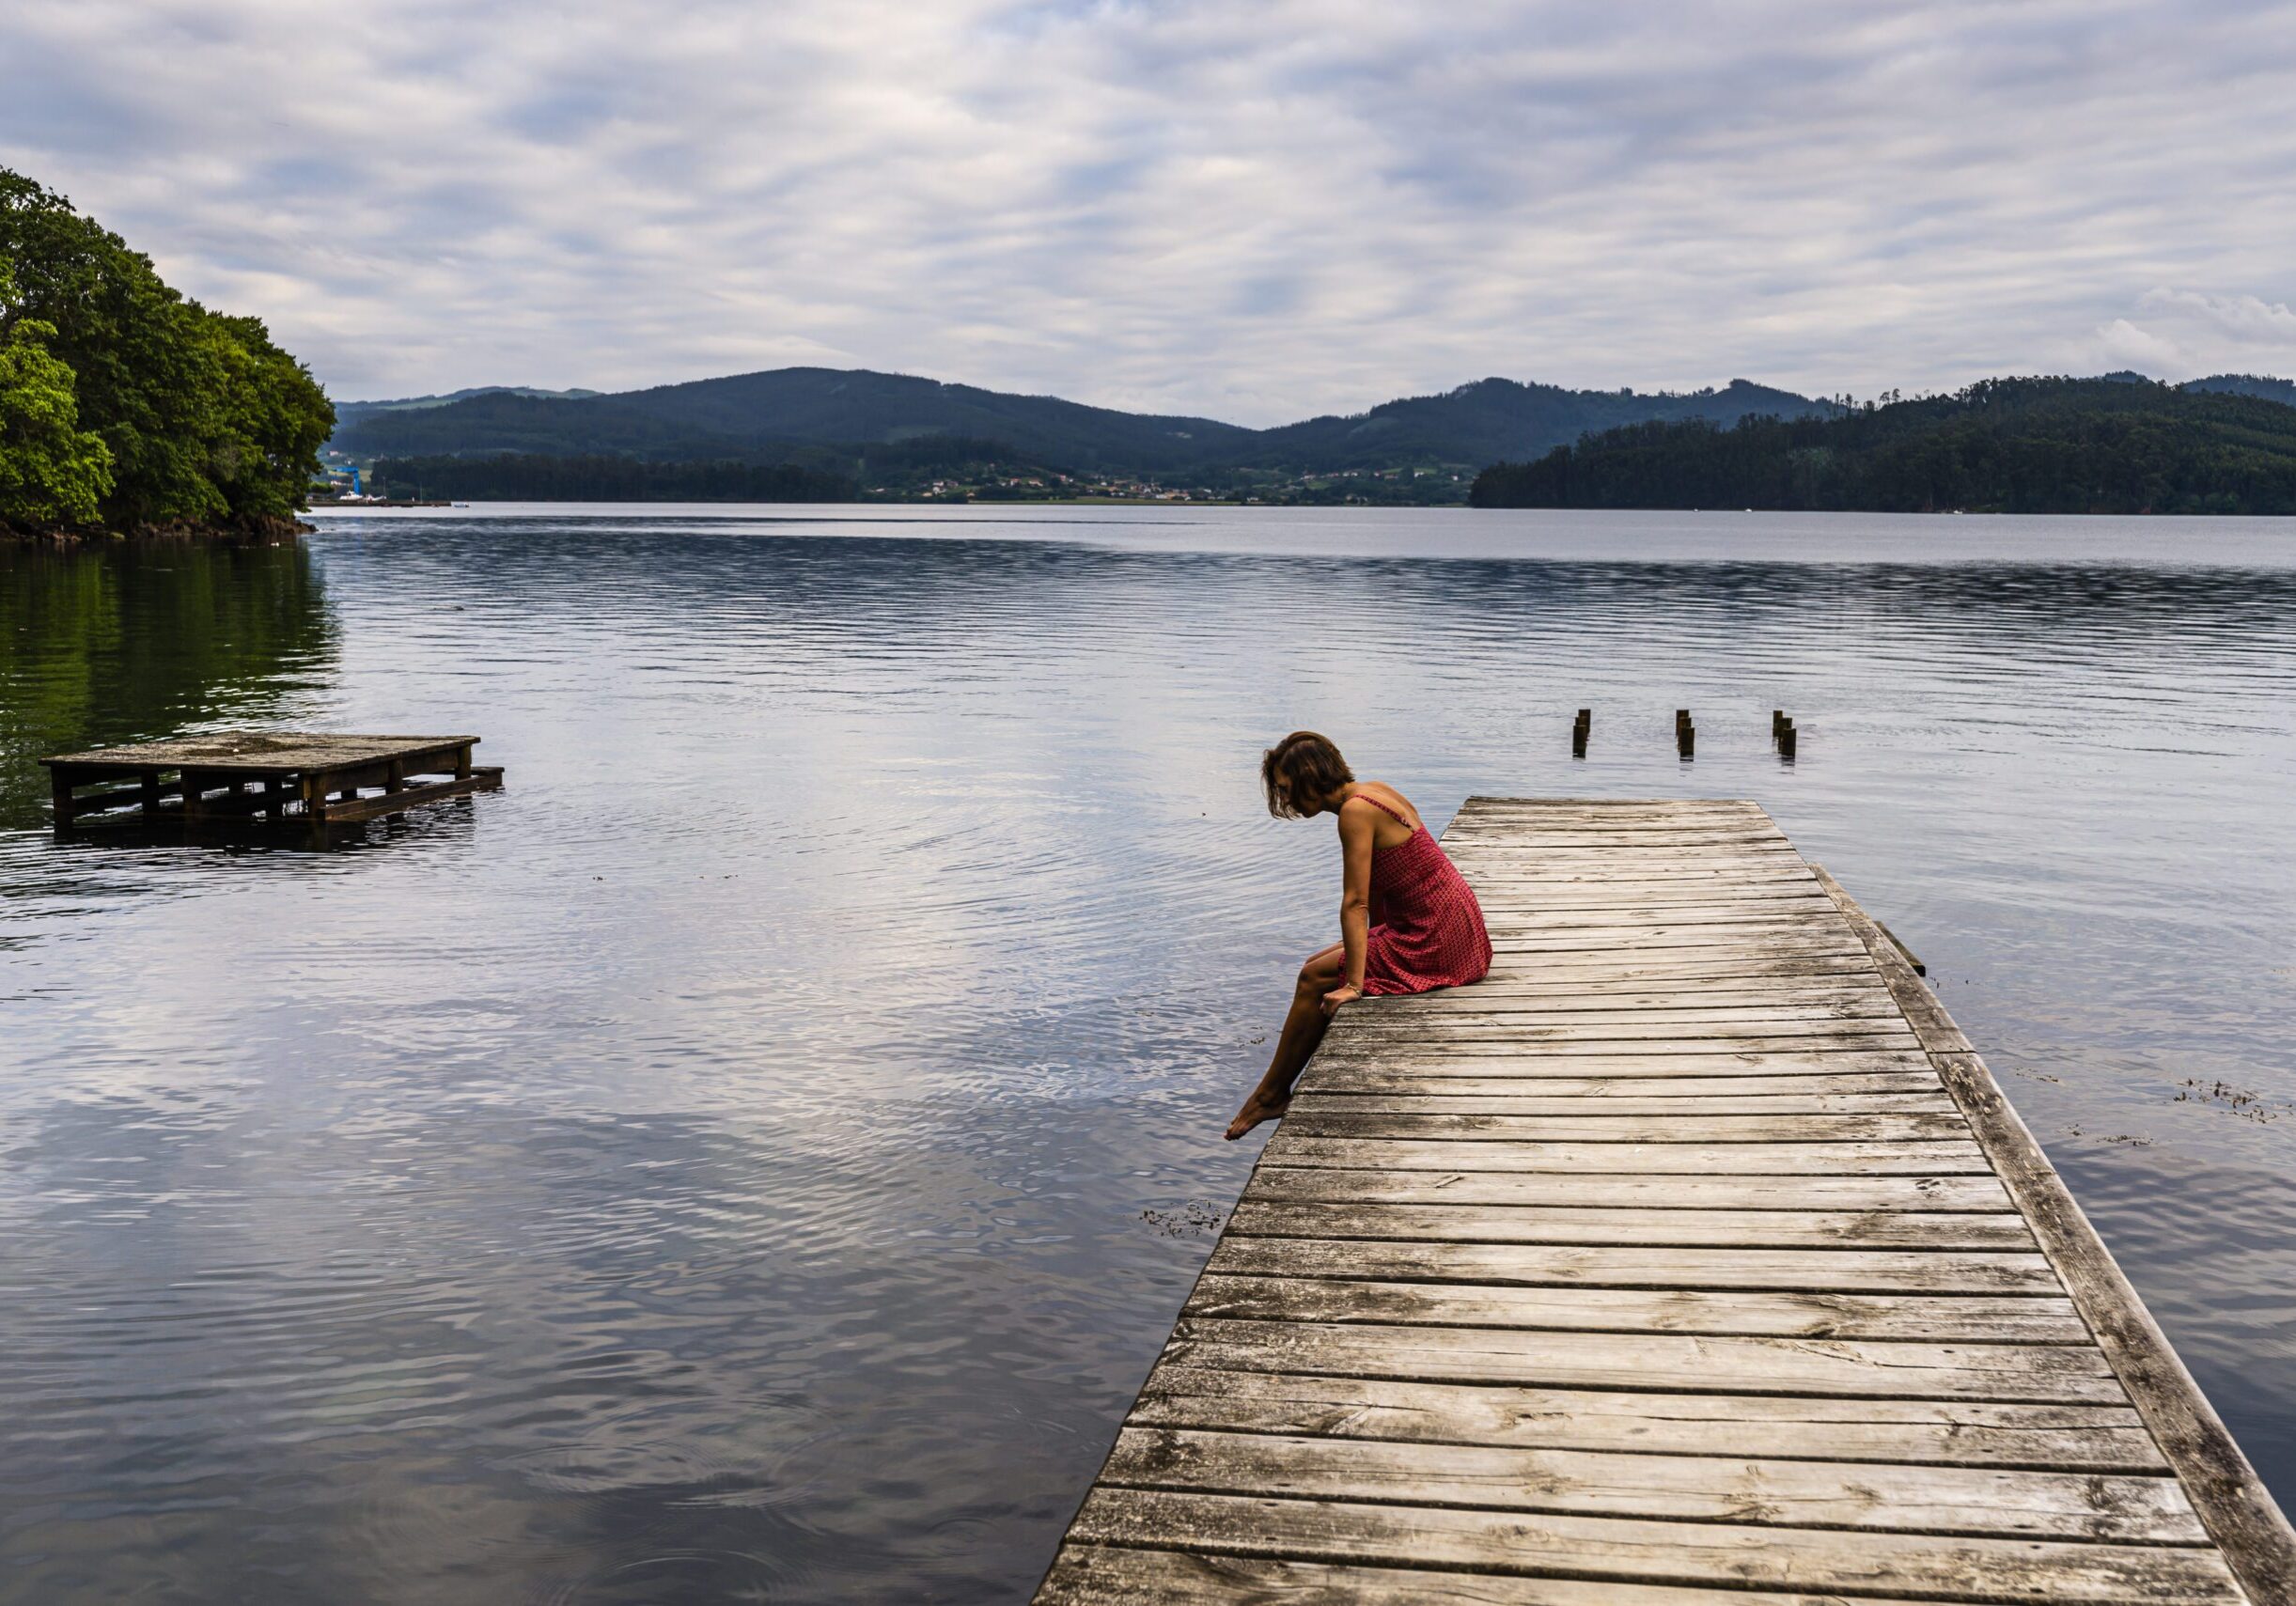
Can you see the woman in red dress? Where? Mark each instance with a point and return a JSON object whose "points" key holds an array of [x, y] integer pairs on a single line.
{"points": [[1408, 920]]}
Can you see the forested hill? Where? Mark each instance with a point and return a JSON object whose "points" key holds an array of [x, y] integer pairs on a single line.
{"points": [[763, 417], [768, 416], [123, 406], [2019, 446], [1496, 418]]}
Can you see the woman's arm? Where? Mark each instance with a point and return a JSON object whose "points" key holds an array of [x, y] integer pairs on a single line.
{"points": [[1356, 844]]}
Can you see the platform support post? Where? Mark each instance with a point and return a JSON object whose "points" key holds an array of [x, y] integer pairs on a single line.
{"points": [[60, 781]]}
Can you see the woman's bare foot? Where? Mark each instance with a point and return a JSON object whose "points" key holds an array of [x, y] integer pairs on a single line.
{"points": [[1254, 1111]]}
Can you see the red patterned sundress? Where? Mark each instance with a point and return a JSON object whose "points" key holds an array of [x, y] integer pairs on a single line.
{"points": [[1426, 930]]}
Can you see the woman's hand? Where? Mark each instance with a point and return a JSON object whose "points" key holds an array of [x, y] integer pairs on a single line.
{"points": [[1339, 995]]}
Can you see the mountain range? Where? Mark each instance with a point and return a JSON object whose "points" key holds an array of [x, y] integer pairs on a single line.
{"points": [[776, 414], [828, 417]]}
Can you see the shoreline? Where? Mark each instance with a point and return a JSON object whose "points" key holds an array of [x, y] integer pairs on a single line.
{"points": [[265, 532]]}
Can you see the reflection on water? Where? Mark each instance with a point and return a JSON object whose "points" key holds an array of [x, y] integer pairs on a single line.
{"points": [[758, 1154], [104, 645]]}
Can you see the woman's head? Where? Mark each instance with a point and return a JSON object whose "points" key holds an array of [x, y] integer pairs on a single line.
{"points": [[1301, 773]]}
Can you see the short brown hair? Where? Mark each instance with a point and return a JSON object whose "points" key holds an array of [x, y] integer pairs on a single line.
{"points": [[1303, 765]]}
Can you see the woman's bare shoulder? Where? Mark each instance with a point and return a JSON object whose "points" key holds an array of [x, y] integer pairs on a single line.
{"points": [[1391, 797]]}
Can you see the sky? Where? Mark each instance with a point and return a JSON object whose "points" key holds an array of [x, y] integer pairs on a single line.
{"points": [[1255, 213]]}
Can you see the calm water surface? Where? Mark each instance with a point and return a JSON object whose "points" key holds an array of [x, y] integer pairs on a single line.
{"points": [[756, 1156]]}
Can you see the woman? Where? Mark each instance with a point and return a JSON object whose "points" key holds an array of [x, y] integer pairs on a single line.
{"points": [[1408, 920]]}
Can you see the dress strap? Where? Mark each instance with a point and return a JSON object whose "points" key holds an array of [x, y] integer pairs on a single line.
{"points": [[1382, 807]]}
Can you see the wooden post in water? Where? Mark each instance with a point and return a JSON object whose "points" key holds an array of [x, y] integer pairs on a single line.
{"points": [[1786, 741], [1578, 732], [1685, 734], [60, 783]]}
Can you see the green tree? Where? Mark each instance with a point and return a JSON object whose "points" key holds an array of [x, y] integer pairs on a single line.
{"points": [[206, 420], [52, 472]]}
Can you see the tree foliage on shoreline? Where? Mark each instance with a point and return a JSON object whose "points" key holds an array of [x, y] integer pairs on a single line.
{"points": [[527, 478], [205, 422], [2013, 446]]}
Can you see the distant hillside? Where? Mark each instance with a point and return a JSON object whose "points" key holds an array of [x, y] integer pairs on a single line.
{"points": [[2281, 391], [1497, 418], [855, 405], [766, 416], [500, 421], [2026, 445], [761, 415], [349, 412]]}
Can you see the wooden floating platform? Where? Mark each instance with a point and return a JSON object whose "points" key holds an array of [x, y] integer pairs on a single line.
{"points": [[1692, 1258], [276, 778]]}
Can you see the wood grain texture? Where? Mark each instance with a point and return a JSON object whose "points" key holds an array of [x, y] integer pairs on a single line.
{"points": [[2035, 1374], [1899, 1159], [1913, 1500], [1914, 1432], [1457, 1221], [1691, 1259], [1866, 1196], [1528, 1265], [2238, 1511], [2006, 1319], [1109, 1575], [1660, 1551]]}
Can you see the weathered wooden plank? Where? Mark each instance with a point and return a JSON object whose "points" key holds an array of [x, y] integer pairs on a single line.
{"points": [[412, 797], [1576, 892], [1318, 1118], [1459, 1222], [1470, 1011], [1534, 910], [1783, 1494], [1668, 968], [1274, 1184], [1908, 1158], [1624, 997], [2039, 1374], [1517, 1264], [2072, 1438], [1764, 933], [1622, 948], [1440, 1032], [1995, 1319], [1526, 887], [1618, 1090], [1702, 1059], [1124, 1575], [1534, 994], [1459, 1096], [1579, 1046], [1528, 884], [1650, 1550]]}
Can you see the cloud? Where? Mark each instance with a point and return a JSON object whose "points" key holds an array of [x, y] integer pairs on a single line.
{"points": [[1252, 212], [2184, 333]]}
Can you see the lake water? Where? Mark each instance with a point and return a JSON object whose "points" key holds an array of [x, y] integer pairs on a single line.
{"points": [[757, 1154]]}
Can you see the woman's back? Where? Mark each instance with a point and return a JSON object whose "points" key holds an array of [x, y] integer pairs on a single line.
{"points": [[1426, 927]]}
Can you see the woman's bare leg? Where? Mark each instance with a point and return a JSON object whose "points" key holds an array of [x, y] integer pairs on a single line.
{"points": [[1304, 1028]]}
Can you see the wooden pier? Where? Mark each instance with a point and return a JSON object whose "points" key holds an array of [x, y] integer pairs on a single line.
{"points": [[275, 778], [1692, 1259]]}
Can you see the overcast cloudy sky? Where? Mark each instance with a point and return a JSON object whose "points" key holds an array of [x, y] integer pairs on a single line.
{"points": [[1255, 211]]}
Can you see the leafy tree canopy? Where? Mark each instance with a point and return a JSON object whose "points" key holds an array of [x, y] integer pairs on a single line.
{"points": [[52, 472], [201, 419]]}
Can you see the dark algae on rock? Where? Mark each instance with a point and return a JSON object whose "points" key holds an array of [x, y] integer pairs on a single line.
{"points": [[125, 407]]}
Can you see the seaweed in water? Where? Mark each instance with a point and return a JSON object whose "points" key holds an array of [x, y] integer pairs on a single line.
{"points": [[1193, 1219], [2237, 1100]]}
